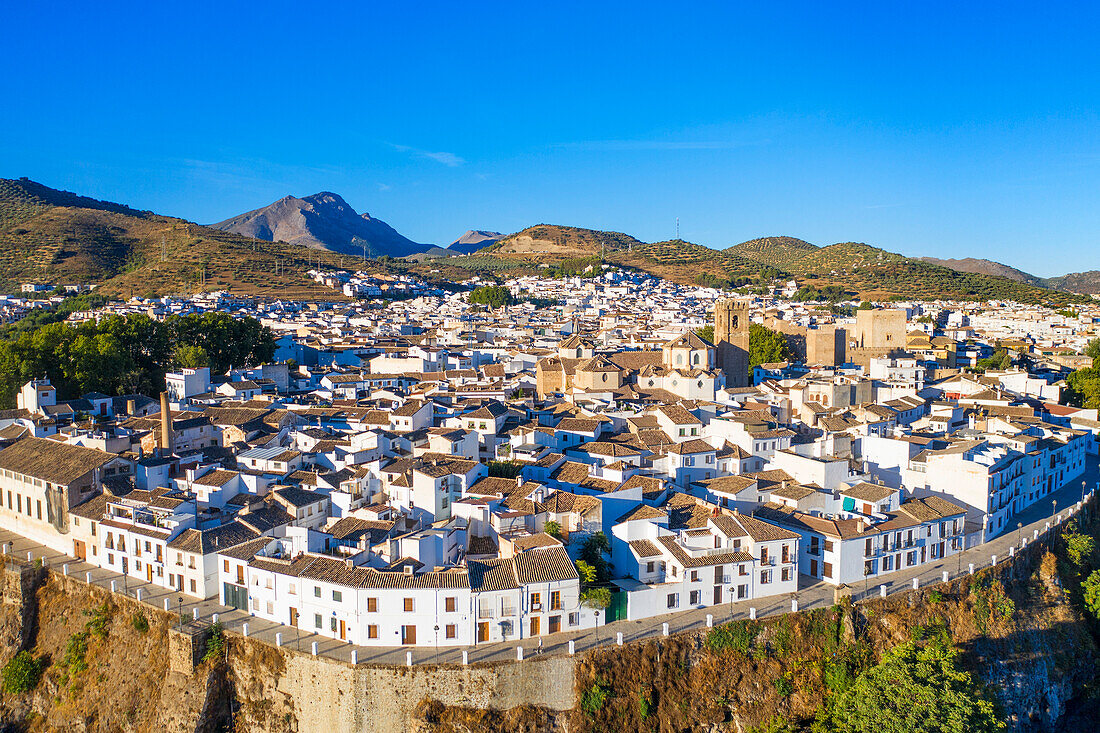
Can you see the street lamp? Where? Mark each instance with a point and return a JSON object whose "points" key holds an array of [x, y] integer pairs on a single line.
{"points": [[179, 608], [1020, 534], [596, 613]]}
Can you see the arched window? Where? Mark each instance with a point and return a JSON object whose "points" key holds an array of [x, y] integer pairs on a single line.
{"points": [[735, 322], [679, 358], [696, 359]]}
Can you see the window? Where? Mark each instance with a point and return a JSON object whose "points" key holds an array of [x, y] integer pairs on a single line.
{"points": [[786, 574], [452, 631], [372, 605], [536, 601], [337, 596], [673, 600], [765, 577], [694, 576], [372, 631], [693, 598], [316, 591], [450, 605], [574, 619], [192, 585], [408, 605], [555, 600], [827, 570], [649, 567], [316, 620], [225, 565]]}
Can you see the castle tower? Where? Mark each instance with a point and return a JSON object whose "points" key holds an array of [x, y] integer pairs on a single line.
{"points": [[731, 338]]}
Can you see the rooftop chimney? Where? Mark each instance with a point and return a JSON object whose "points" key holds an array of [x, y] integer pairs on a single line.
{"points": [[165, 424]]}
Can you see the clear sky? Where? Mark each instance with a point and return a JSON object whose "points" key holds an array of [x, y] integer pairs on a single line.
{"points": [[954, 129]]}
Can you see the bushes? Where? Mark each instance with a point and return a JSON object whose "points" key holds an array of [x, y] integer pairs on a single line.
{"points": [[21, 673], [736, 635], [593, 699], [1090, 591], [139, 622], [914, 688], [215, 643]]}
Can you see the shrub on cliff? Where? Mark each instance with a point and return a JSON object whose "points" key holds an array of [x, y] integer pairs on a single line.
{"points": [[914, 689], [1090, 590], [21, 673]]}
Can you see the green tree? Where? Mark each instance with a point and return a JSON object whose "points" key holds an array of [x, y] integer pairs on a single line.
{"points": [[21, 673], [493, 296], [866, 306], [1083, 388], [1090, 590], [596, 597], [706, 333], [586, 572], [552, 528], [914, 689], [1092, 350], [766, 346], [190, 357]]}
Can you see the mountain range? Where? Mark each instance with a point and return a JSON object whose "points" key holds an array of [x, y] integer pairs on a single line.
{"points": [[53, 236]]}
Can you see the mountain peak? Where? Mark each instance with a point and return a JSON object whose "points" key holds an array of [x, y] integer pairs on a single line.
{"points": [[323, 220]]}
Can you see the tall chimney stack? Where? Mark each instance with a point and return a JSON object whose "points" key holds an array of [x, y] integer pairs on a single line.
{"points": [[165, 424]]}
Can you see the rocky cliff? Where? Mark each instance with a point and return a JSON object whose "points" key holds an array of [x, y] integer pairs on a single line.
{"points": [[109, 663]]}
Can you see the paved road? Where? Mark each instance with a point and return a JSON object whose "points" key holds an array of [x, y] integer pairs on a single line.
{"points": [[811, 594]]}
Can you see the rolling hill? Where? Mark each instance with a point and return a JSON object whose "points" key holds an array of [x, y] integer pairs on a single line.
{"points": [[51, 236], [862, 269], [988, 267], [322, 221]]}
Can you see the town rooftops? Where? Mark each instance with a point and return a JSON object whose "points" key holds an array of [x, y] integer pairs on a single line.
{"points": [[51, 461]]}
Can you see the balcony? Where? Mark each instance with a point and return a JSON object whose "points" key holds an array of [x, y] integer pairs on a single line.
{"points": [[485, 613], [537, 606]]}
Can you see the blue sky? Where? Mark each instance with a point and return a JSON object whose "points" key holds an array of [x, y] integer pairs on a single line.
{"points": [[954, 129]]}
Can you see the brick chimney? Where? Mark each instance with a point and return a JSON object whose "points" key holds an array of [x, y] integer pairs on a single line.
{"points": [[165, 424]]}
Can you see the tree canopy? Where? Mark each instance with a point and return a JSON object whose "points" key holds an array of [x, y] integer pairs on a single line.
{"points": [[914, 689], [1083, 388], [766, 346], [493, 296], [128, 354]]}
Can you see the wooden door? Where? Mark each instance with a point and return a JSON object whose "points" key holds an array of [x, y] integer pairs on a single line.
{"points": [[555, 624], [343, 631], [148, 572], [408, 634], [813, 568], [80, 550], [717, 594], [483, 631], [293, 616], [536, 626]]}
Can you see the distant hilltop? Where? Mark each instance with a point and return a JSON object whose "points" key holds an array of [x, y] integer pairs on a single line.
{"points": [[50, 236]]}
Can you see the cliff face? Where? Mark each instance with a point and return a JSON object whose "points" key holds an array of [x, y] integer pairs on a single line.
{"points": [[112, 664]]}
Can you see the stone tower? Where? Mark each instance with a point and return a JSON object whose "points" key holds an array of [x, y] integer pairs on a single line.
{"points": [[731, 338]]}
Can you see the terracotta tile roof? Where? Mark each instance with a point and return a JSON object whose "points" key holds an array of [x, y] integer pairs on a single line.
{"points": [[51, 461]]}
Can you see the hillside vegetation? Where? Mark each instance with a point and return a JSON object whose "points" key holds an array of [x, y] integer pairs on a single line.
{"points": [[862, 269], [53, 237]]}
